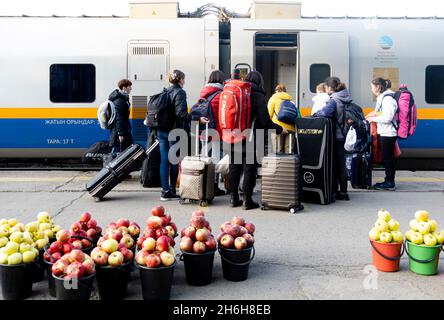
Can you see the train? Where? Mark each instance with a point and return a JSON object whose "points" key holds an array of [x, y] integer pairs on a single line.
{"points": [[56, 71]]}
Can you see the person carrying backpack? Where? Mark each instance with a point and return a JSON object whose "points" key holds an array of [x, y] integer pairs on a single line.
{"points": [[257, 114], [212, 90], [120, 129], [384, 116], [278, 101], [334, 109]]}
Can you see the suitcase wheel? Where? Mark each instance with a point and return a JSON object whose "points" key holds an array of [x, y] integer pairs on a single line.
{"points": [[203, 203], [97, 199], [295, 210], [182, 201], [263, 208]]}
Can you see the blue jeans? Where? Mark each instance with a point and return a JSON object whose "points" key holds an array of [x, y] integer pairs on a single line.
{"points": [[168, 172]]}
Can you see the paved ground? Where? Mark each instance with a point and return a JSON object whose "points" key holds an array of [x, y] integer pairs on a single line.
{"points": [[321, 253]]}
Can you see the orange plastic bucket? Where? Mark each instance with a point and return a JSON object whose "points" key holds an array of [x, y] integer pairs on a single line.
{"points": [[386, 256]]}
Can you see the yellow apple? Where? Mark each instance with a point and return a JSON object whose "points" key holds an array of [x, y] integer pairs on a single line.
{"points": [[15, 258], [386, 237], [3, 221], [421, 215], [374, 234], [382, 225], [384, 215], [433, 225], [56, 229], [44, 226], [4, 232], [414, 225], [429, 240], [43, 217], [3, 242], [423, 227], [12, 222], [49, 234], [439, 236], [16, 237], [41, 243], [32, 227], [408, 235], [397, 236], [393, 225], [3, 258], [417, 238], [12, 247], [39, 235], [19, 227], [29, 256], [25, 247]]}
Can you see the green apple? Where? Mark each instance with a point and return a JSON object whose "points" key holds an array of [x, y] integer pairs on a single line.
{"points": [[16, 237], [49, 234], [25, 247], [3, 242], [15, 258], [414, 225], [374, 234], [12, 222], [416, 238], [382, 225], [439, 236], [433, 225], [32, 226], [408, 235], [423, 227], [39, 235], [384, 215], [29, 256], [421, 215], [3, 221], [40, 243], [4, 232], [43, 217], [56, 229], [430, 240], [3, 258], [397, 236], [12, 247], [36, 251], [385, 237], [44, 226], [393, 225]]}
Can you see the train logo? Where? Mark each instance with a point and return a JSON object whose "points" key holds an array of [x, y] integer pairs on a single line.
{"points": [[386, 42]]}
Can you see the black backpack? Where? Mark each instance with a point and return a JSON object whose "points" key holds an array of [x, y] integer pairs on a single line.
{"points": [[96, 152], [160, 114], [353, 116]]}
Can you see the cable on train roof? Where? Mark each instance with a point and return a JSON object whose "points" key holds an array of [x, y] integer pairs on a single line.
{"points": [[213, 9]]}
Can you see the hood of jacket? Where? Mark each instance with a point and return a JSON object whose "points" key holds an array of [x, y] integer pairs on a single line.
{"points": [[283, 96], [342, 96], [117, 94], [256, 88], [210, 88]]}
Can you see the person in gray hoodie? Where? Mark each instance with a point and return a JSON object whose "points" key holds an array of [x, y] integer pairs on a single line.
{"points": [[334, 109]]}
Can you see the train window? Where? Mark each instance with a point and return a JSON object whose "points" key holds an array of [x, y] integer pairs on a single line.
{"points": [[318, 73], [72, 83], [434, 84]]}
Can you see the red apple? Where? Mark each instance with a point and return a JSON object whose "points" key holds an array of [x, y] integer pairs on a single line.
{"points": [[199, 247], [75, 270], [77, 244], [240, 243], [163, 243], [154, 222], [161, 232], [164, 221], [206, 224], [182, 232], [167, 259], [67, 247], [85, 217], [251, 228], [89, 267], [112, 226], [238, 220], [219, 237], [63, 235], [158, 211], [86, 243], [56, 256], [128, 241], [91, 233], [153, 261], [56, 246], [225, 226], [140, 241], [202, 235], [115, 259], [58, 268], [134, 231], [127, 254], [116, 235], [190, 232], [132, 223], [173, 225], [234, 230], [76, 255], [198, 222], [122, 222], [172, 242], [149, 233], [170, 231], [186, 244], [141, 257], [99, 230], [210, 244], [92, 224], [84, 225], [249, 238], [168, 217], [76, 227], [243, 231], [227, 241], [198, 213], [123, 229]]}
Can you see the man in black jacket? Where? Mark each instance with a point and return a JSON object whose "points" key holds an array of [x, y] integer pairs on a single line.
{"points": [[120, 130]]}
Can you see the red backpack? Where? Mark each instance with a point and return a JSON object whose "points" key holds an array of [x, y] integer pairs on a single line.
{"points": [[235, 110]]}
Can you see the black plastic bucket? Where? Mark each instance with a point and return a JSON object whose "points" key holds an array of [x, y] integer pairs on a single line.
{"points": [[39, 270], [96, 239], [236, 263], [16, 280], [156, 282], [198, 267], [113, 281], [51, 281], [80, 292]]}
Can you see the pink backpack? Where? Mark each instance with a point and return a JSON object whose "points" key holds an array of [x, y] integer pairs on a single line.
{"points": [[406, 114]]}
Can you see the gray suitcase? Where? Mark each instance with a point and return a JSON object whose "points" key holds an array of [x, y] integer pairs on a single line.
{"points": [[197, 176], [282, 182]]}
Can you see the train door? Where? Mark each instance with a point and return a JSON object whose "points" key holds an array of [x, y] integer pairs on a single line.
{"points": [[321, 55], [148, 65]]}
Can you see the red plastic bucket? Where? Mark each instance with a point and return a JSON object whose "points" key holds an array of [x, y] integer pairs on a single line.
{"points": [[386, 256]]}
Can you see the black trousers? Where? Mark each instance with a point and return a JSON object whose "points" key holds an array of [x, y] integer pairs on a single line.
{"points": [[236, 169], [388, 155], [339, 170]]}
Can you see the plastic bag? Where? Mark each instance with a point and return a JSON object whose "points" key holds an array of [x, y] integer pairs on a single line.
{"points": [[223, 166], [350, 140]]}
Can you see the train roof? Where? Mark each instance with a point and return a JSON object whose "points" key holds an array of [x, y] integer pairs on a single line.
{"points": [[185, 16]]}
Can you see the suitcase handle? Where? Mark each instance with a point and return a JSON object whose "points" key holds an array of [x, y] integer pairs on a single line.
{"points": [[197, 153]]}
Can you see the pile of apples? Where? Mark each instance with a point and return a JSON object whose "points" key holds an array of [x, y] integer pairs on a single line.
{"points": [[123, 232], [111, 253], [64, 244], [386, 229], [159, 224], [74, 265], [19, 247], [86, 226], [424, 230], [197, 237], [42, 230], [236, 234]]}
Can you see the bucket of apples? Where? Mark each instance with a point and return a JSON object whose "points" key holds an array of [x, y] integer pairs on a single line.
{"points": [[112, 260], [89, 226], [424, 244], [18, 259], [387, 242], [156, 258], [198, 246], [236, 248], [73, 276]]}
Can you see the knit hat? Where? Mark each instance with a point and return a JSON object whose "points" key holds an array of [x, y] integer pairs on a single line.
{"points": [[236, 74]]}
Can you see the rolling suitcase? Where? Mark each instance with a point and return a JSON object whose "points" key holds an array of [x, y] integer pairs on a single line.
{"points": [[197, 176], [150, 175], [116, 171], [281, 182], [361, 170], [314, 138]]}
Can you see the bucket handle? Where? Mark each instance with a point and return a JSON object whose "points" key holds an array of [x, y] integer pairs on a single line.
{"points": [[389, 258], [422, 261], [236, 263], [45, 248]]}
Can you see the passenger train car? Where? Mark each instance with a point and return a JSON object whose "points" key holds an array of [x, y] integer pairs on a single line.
{"points": [[56, 71]]}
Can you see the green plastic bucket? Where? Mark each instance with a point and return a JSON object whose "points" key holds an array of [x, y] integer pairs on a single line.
{"points": [[423, 260]]}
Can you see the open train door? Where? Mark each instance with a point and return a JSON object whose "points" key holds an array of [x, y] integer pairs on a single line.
{"points": [[322, 54]]}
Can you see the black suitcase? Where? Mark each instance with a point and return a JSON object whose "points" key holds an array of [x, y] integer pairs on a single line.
{"points": [[314, 139], [361, 170], [116, 171], [150, 175]]}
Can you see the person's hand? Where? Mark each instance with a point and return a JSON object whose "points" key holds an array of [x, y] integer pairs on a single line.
{"points": [[371, 115], [284, 131], [121, 138], [203, 120]]}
